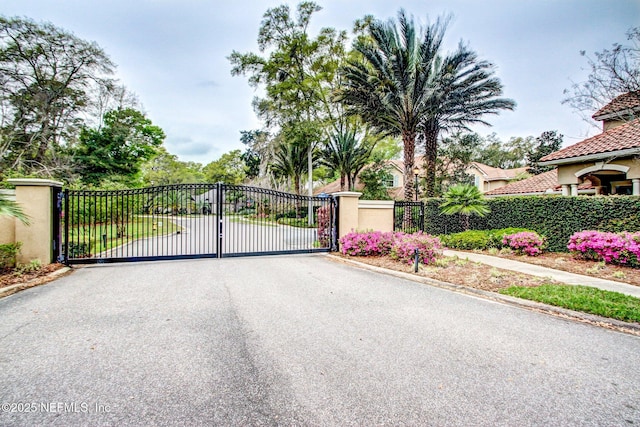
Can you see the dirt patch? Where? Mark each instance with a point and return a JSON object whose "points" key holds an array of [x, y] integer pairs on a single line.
{"points": [[460, 272], [26, 280]]}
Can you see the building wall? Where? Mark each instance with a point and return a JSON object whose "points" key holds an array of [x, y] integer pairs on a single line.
{"points": [[566, 173]]}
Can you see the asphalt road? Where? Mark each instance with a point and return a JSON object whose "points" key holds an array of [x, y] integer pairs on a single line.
{"points": [[198, 236], [298, 340]]}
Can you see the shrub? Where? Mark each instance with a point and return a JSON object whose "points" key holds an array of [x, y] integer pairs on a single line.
{"points": [[527, 242], [324, 225], [8, 253], [472, 239], [367, 243], [399, 246], [612, 248], [479, 239], [404, 247], [555, 217]]}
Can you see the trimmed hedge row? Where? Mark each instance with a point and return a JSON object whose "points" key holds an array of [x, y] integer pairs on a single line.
{"points": [[554, 217]]}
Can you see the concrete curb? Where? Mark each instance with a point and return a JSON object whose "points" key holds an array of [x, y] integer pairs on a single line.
{"points": [[9, 290], [592, 319]]}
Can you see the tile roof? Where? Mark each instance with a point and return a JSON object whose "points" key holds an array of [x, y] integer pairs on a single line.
{"points": [[626, 101], [537, 184], [619, 138], [492, 173]]}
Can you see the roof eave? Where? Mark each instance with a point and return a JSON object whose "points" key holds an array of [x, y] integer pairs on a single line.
{"points": [[619, 115], [591, 157]]}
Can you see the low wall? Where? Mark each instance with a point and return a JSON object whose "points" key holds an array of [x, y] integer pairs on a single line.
{"points": [[376, 215], [360, 215]]}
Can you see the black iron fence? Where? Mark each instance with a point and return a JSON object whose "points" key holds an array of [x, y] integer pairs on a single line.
{"points": [[192, 221], [408, 217]]}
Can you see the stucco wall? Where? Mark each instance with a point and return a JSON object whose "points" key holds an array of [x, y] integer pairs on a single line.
{"points": [[566, 173], [376, 215]]}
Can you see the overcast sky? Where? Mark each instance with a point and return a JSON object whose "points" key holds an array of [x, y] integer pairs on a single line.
{"points": [[172, 54]]}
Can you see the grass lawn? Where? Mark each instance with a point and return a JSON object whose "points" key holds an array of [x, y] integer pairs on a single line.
{"points": [[102, 237], [582, 298]]}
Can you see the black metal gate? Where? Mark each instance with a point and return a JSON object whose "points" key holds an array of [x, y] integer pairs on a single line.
{"points": [[192, 221]]}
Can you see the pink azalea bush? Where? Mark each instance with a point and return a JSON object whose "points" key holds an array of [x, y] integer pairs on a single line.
{"points": [[367, 243], [612, 248], [398, 245], [525, 242], [404, 248]]}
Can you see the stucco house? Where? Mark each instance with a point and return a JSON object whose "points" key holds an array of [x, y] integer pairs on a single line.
{"points": [[609, 161], [486, 178]]}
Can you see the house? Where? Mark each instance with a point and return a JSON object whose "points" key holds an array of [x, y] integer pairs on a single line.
{"points": [[609, 161], [544, 183], [486, 178]]}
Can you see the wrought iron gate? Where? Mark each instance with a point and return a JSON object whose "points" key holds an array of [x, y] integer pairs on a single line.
{"points": [[192, 221]]}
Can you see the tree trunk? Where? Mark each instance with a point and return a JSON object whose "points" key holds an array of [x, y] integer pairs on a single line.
{"points": [[342, 179], [409, 142], [431, 153]]}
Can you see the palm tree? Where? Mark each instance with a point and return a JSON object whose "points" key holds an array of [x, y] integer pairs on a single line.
{"points": [[466, 200], [462, 90], [387, 88], [290, 161], [404, 86], [12, 209], [345, 153]]}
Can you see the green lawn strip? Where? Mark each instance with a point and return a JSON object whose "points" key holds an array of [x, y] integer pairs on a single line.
{"points": [[139, 228], [582, 298]]}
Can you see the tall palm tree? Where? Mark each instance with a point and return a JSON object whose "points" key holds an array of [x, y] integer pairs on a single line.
{"points": [[404, 86], [290, 161], [387, 86], [345, 153], [466, 200], [462, 90]]}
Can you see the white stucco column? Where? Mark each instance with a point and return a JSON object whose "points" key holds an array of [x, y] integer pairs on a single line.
{"points": [[636, 186], [565, 189], [574, 189]]}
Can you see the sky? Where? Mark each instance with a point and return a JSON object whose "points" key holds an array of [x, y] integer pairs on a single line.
{"points": [[173, 55]]}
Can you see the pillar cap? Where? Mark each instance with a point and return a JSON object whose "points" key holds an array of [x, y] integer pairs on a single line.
{"points": [[34, 182], [347, 194]]}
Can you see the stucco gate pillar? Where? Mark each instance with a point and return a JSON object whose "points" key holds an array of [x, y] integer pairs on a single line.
{"points": [[36, 198], [347, 211]]}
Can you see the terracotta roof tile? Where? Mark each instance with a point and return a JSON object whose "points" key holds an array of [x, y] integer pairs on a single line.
{"points": [[618, 138], [626, 101], [493, 173], [535, 184]]}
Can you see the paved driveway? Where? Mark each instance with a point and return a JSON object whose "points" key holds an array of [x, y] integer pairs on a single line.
{"points": [[298, 340]]}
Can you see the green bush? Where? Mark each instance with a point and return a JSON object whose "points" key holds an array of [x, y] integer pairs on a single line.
{"points": [[478, 239], [555, 217], [8, 253]]}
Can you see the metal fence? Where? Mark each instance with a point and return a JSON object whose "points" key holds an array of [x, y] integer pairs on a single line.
{"points": [[192, 221], [408, 217]]}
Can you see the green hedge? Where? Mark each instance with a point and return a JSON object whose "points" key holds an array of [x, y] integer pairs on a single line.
{"points": [[478, 239], [554, 217]]}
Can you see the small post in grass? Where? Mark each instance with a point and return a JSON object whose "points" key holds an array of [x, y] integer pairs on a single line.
{"points": [[416, 259]]}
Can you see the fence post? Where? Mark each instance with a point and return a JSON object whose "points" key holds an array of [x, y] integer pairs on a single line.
{"points": [[37, 200], [347, 211]]}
